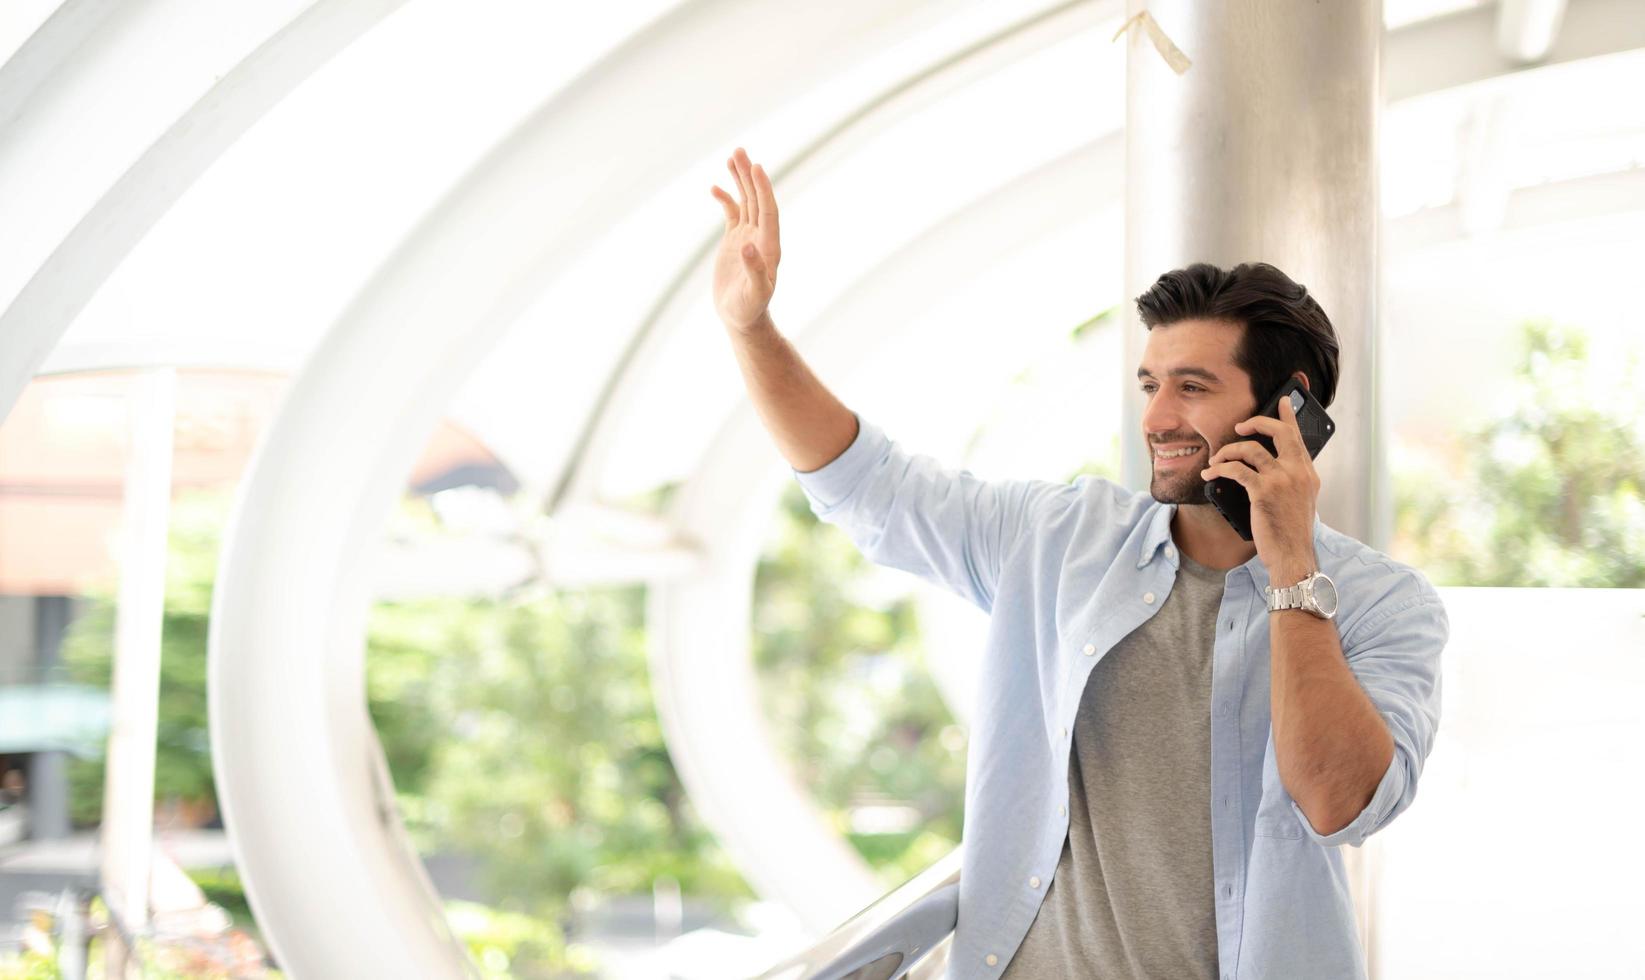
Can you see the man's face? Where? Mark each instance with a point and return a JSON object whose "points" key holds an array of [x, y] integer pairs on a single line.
{"points": [[1193, 397]]}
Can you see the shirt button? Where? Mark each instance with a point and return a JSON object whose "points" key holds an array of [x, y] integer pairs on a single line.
{"points": [[1062, 811], [1034, 882], [990, 959], [1090, 648], [1148, 598], [1170, 552], [1065, 733]]}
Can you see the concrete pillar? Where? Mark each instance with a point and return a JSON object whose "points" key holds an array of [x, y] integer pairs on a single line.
{"points": [[1264, 149]]}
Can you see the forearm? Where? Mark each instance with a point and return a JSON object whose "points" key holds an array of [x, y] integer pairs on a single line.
{"points": [[1331, 743], [809, 425]]}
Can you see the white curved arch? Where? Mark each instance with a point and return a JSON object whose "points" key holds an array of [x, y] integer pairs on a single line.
{"points": [[53, 40], [289, 607], [98, 158]]}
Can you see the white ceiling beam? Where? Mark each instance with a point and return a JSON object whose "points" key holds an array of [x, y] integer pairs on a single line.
{"points": [[1462, 49]]}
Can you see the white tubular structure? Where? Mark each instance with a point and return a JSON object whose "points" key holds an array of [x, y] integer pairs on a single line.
{"points": [[95, 159], [333, 888]]}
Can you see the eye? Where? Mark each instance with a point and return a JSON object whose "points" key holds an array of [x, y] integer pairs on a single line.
{"points": [[1193, 387]]}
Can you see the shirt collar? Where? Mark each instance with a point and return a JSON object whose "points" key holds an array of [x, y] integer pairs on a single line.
{"points": [[1158, 534]]}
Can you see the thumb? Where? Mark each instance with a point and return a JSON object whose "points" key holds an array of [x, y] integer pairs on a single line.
{"points": [[754, 262]]}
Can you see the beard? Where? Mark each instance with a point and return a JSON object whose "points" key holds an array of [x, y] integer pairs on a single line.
{"points": [[1184, 487], [1181, 484]]}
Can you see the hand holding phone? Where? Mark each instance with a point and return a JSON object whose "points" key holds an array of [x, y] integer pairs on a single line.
{"points": [[1227, 496]]}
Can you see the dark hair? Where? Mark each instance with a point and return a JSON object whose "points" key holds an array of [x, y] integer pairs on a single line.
{"points": [[1285, 329]]}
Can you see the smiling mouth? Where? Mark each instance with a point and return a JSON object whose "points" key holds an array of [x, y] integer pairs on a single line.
{"points": [[1174, 460]]}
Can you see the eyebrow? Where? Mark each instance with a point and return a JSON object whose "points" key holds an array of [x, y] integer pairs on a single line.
{"points": [[1190, 372]]}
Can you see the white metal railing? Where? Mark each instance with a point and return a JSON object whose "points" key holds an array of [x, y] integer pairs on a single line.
{"points": [[903, 934]]}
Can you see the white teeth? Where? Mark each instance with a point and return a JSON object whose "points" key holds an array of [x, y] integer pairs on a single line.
{"points": [[1175, 453]]}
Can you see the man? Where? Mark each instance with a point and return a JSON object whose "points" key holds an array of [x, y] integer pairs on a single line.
{"points": [[1166, 753]]}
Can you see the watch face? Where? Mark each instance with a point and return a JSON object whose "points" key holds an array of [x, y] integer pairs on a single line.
{"points": [[1325, 594]]}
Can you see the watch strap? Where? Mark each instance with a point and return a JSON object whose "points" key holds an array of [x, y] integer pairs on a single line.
{"points": [[1289, 597]]}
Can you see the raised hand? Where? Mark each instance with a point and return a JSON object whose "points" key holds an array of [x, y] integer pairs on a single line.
{"points": [[745, 268]]}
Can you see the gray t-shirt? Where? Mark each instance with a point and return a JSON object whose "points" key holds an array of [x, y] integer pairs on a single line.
{"points": [[1132, 895]]}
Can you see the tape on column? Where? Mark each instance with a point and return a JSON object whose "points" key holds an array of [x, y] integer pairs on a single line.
{"points": [[1170, 52]]}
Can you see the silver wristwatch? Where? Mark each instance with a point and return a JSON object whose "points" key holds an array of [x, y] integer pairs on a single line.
{"points": [[1316, 594]]}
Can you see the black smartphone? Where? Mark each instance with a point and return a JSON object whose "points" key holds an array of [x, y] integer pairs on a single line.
{"points": [[1227, 496]]}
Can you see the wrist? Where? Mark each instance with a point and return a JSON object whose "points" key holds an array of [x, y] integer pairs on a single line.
{"points": [[1291, 569], [761, 324]]}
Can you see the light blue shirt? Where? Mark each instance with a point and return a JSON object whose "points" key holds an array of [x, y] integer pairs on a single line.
{"points": [[1065, 571]]}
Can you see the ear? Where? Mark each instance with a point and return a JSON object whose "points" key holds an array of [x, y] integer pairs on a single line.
{"points": [[1304, 379]]}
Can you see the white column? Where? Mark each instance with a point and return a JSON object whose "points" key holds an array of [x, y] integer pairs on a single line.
{"points": [[128, 790]]}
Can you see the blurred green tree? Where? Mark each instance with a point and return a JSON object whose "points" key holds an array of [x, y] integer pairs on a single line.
{"points": [[1550, 494], [548, 761], [851, 705]]}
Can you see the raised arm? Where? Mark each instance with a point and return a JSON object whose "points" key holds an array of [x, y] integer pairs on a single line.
{"points": [[902, 510], [809, 425]]}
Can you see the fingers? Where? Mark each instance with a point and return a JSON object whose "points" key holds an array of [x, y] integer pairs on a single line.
{"points": [[1250, 453], [757, 201], [1293, 432], [742, 191], [1234, 470], [732, 213], [766, 196], [746, 173], [1284, 431]]}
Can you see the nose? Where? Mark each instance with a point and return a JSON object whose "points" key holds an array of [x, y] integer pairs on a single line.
{"points": [[1160, 416]]}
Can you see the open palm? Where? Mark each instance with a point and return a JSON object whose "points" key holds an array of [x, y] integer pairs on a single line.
{"points": [[745, 268]]}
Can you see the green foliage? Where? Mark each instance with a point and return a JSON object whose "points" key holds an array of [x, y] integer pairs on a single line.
{"points": [[30, 964], [222, 887], [538, 746], [1551, 494], [510, 945], [850, 703]]}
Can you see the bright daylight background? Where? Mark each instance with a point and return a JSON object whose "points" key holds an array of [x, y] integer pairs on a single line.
{"points": [[507, 666]]}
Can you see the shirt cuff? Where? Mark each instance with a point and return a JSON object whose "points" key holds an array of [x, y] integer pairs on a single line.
{"points": [[836, 479], [1387, 794]]}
